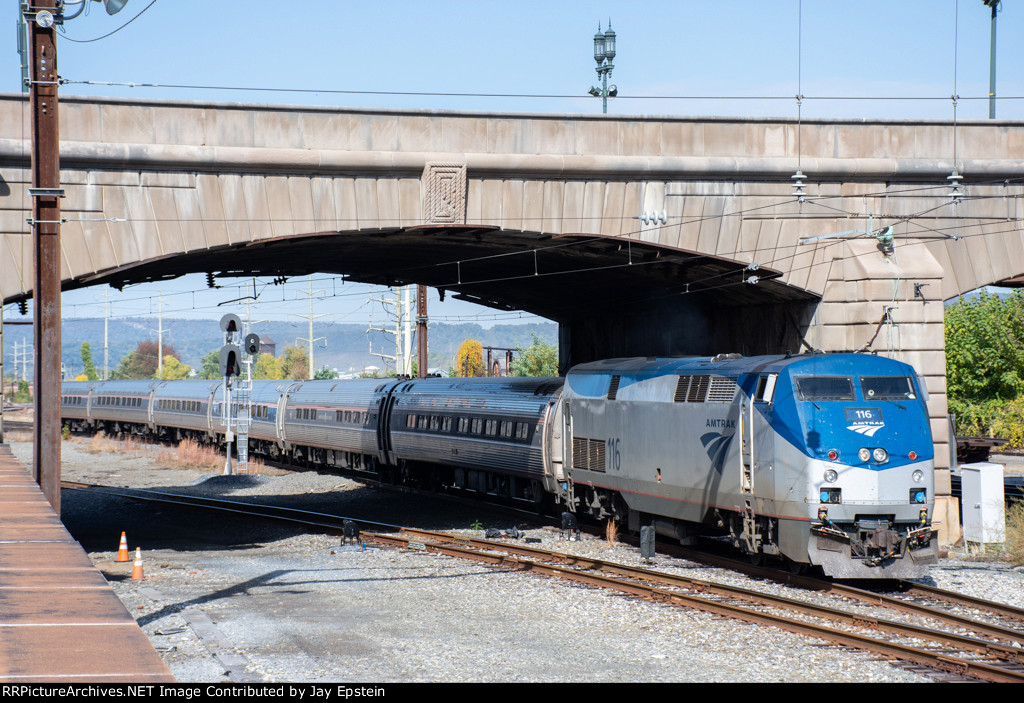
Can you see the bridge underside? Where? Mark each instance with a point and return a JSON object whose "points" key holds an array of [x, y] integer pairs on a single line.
{"points": [[610, 296]]}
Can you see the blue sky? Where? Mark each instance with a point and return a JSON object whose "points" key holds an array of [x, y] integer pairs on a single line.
{"points": [[861, 51]]}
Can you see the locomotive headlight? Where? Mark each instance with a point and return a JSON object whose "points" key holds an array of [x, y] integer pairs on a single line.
{"points": [[864, 454], [831, 476], [880, 455], [918, 475]]}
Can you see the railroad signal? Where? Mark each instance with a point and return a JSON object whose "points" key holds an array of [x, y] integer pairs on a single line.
{"points": [[231, 325], [230, 360], [252, 344]]}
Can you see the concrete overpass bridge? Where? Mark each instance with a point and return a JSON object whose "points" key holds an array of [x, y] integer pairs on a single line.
{"points": [[546, 213]]}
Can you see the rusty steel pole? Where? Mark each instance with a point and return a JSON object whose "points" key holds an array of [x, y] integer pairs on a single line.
{"points": [[421, 331], [46, 195]]}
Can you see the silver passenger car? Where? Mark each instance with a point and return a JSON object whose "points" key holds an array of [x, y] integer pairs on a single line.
{"points": [[184, 406], [124, 405], [491, 430], [329, 421]]}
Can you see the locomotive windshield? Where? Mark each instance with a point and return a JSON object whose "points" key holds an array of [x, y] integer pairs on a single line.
{"points": [[824, 388], [887, 388]]}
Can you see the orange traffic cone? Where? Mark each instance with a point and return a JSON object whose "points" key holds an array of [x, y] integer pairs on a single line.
{"points": [[137, 571], [122, 551]]}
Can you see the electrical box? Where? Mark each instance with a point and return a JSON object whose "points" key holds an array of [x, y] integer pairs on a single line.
{"points": [[982, 499]]}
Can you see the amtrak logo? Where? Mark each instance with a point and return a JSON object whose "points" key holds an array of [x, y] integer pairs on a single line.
{"points": [[865, 421], [867, 430], [717, 445]]}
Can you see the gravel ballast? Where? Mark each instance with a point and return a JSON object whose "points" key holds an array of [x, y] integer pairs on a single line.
{"points": [[229, 600]]}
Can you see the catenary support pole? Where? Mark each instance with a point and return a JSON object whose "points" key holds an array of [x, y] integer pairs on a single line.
{"points": [[46, 239]]}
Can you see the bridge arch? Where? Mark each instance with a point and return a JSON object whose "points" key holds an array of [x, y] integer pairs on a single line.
{"points": [[158, 186]]}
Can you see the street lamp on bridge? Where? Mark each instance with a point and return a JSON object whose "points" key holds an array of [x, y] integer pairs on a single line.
{"points": [[604, 52]]}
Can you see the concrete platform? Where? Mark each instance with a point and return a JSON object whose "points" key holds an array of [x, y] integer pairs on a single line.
{"points": [[59, 619]]}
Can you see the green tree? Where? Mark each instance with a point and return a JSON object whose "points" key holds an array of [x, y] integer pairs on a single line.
{"points": [[985, 348], [538, 359], [209, 365], [985, 365], [324, 373], [469, 361], [142, 363], [90, 368], [22, 395], [294, 363]]}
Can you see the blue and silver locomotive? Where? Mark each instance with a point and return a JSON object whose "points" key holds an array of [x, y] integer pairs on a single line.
{"points": [[821, 459]]}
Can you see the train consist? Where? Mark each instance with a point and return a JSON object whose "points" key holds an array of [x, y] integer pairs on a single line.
{"points": [[821, 459]]}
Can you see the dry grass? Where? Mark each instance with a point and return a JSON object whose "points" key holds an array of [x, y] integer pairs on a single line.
{"points": [[193, 455], [101, 443], [611, 532], [1014, 546]]}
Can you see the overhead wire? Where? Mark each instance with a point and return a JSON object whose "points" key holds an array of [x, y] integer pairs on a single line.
{"points": [[541, 96], [89, 41]]}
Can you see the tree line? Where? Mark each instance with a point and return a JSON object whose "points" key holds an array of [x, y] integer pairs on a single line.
{"points": [[538, 359], [143, 363], [985, 365]]}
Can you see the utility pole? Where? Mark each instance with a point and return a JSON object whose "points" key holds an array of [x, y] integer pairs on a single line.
{"points": [[421, 331], [311, 340], [46, 193], [407, 331], [106, 322], [385, 302], [160, 336]]}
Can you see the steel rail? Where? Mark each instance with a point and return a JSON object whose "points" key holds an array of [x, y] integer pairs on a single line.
{"points": [[1007, 652], [483, 551], [880, 599], [941, 662], [1002, 609]]}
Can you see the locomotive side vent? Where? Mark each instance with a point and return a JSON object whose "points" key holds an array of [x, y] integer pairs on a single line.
{"points": [[682, 386], [597, 455], [588, 454], [613, 388], [721, 390], [698, 389], [579, 453]]}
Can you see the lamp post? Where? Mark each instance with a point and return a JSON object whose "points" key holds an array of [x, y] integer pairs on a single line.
{"points": [[994, 5], [604, 52]]}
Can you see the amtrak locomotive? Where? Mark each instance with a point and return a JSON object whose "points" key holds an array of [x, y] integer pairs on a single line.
{"points": [[819, 459]]}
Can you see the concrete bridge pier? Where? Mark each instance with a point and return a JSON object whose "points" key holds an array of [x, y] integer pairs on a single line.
{"points": [[893, 305]]}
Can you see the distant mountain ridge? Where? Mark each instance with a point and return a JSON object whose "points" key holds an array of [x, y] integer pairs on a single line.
{"points": [[347, 345]]}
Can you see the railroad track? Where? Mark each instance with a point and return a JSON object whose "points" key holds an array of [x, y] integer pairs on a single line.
{"points": [[957, 647], [18, 425], [1000, 621]]}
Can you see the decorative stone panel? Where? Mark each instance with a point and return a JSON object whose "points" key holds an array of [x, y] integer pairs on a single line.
{"points": [[444, 193]]}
